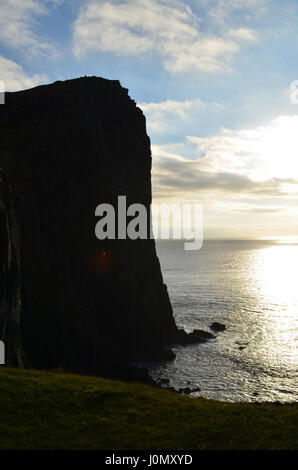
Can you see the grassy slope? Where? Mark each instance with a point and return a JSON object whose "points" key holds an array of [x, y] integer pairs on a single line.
{"points": [[41, 410]]}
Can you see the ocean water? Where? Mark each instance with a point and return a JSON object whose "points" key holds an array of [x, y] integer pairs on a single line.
{"points": [[252, 287]]}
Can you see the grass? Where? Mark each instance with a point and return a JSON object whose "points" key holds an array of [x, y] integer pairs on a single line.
{"points": [[51, 410]]}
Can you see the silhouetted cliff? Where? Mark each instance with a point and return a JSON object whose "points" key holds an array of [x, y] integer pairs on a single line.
{"points": [[68, 299]]}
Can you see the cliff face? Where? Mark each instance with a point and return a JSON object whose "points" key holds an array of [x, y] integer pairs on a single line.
{"points": [[68, 299]]}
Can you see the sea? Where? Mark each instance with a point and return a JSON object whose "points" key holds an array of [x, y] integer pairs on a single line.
{"points": [[251, 286]]}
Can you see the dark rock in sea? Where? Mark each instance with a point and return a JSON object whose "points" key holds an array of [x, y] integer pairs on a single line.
{"points": [[255, 394], [68, 299], [196, 336], [218, 326], [241, 348], [203, 334]]}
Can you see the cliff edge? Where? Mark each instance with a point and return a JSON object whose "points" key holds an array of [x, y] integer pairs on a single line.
{"points": [[68, 299]]}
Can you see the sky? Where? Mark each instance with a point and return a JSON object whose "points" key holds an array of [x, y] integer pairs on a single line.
{"points": [[213, 78]]}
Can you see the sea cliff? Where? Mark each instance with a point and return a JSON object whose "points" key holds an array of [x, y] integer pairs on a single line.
{"points": [[67, 298]]}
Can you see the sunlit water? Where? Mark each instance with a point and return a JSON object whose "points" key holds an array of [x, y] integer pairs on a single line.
{"points": [[251, 287]]}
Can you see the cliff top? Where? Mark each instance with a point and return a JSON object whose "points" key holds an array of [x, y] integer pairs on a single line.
{"points": [[78, 83]]}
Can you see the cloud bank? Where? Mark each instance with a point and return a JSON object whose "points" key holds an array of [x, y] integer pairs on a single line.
{"points": [[168, 29], [257, 164]]}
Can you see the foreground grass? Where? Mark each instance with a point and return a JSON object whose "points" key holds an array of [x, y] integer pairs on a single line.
{"points": [[41, 410]]}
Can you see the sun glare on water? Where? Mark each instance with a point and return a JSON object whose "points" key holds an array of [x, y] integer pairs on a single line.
{"points": [[275, 270]]}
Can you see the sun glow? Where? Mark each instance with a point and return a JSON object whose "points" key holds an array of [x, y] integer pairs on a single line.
{"points": [[263, 152], [277, 148]]}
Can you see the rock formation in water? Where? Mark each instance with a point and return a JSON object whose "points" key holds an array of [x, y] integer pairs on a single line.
{"points": [[68, 299]]}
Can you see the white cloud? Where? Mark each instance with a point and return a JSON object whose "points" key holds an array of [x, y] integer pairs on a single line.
{"points": [[15, 78], [178, 108], [221, 11], [17, 22], [162, 116], [169, 29], [257, 163], [244, 34], [176, 178], [262, 152]]}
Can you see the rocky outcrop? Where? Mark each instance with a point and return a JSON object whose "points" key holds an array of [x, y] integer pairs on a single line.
{"points": [[68, 299], [217, 326]]}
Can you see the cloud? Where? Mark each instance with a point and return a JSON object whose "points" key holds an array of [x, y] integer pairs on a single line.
{"points": [[223, 11], [178, 108], [160, 116], [168, 114], [187, 178], [140, 28], [244, 34], [257, 163], [263, 152], [15, 78], [17, 22]]}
